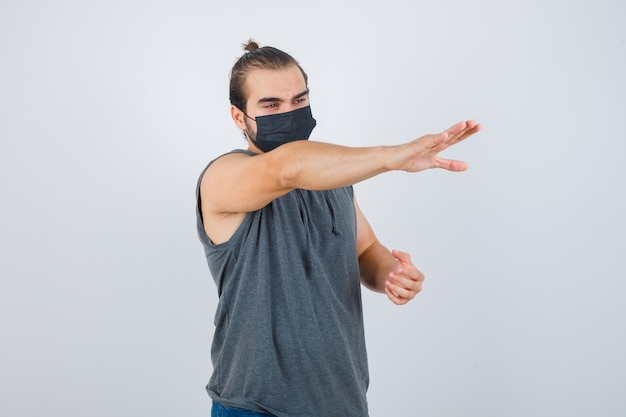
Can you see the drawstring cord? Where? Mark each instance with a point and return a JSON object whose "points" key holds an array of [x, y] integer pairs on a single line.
{"points": [[331, 206]]}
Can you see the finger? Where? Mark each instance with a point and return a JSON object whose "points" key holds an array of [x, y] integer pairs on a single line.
{"points": [[455, 129], [464, 135], [470, 124], [411, 281], [405, 267], [449, 140], [450, 164], [434, 141], [401, 292], [441, 141], [401, 256], [394, 298]]}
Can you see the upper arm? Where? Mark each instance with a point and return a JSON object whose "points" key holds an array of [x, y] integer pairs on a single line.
{"points": [[375, 261], [239, 183], [365, 237], [234, 185]]}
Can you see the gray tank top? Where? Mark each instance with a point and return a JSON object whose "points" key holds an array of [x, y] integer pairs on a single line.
{"points": [[289, 336]]}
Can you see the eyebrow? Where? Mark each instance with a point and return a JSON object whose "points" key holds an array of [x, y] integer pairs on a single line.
{"points": [[274, 99]]}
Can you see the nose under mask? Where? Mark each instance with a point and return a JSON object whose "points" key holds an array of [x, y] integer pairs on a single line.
{"points": [[274, 130]]}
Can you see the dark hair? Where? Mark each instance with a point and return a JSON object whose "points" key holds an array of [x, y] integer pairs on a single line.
{"points": [[266, 57]]}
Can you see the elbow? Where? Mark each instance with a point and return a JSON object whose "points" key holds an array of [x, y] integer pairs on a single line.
{"points": [[282, 162]]}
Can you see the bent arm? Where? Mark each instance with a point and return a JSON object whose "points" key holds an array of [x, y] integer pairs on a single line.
{"points": [[375, 260], [392, 273]]}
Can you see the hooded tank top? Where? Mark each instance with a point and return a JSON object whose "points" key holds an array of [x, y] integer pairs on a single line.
{"points": [[289, 336]]}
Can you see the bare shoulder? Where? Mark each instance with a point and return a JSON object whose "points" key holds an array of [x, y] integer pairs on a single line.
{"points": [[224, 163], [241, 183], [219, 224], [216, 174]]}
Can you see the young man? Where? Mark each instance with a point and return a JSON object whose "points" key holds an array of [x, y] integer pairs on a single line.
{"points": [[288, 248]]}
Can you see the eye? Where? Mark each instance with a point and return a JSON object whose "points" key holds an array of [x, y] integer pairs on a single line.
{"points": [[271, 106], [301, 100]]}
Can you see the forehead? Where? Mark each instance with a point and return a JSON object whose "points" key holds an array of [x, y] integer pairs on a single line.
{"points": [[283, 83]]}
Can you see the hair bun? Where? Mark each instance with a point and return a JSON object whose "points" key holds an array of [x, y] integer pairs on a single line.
{"points": [[251, 45]]}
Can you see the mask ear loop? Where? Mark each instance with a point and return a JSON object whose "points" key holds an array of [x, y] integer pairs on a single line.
{"points": [[245, 133]]}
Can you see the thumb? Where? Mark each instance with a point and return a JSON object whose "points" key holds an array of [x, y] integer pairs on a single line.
{"points": [[402, 257]]}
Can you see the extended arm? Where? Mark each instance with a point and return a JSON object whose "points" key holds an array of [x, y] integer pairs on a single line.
{"points": [[238, 183]]}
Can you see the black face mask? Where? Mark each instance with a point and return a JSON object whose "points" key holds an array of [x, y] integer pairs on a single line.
{"points": [[277, 129]]}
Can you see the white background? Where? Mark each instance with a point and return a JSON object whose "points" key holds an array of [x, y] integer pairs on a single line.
{"points": [[110, 110]]}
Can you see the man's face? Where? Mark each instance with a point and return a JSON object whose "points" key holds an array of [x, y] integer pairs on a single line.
{"points": [[271, 92]]}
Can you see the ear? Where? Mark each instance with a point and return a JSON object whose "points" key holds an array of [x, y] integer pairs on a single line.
{"points": [[238, 117]]}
